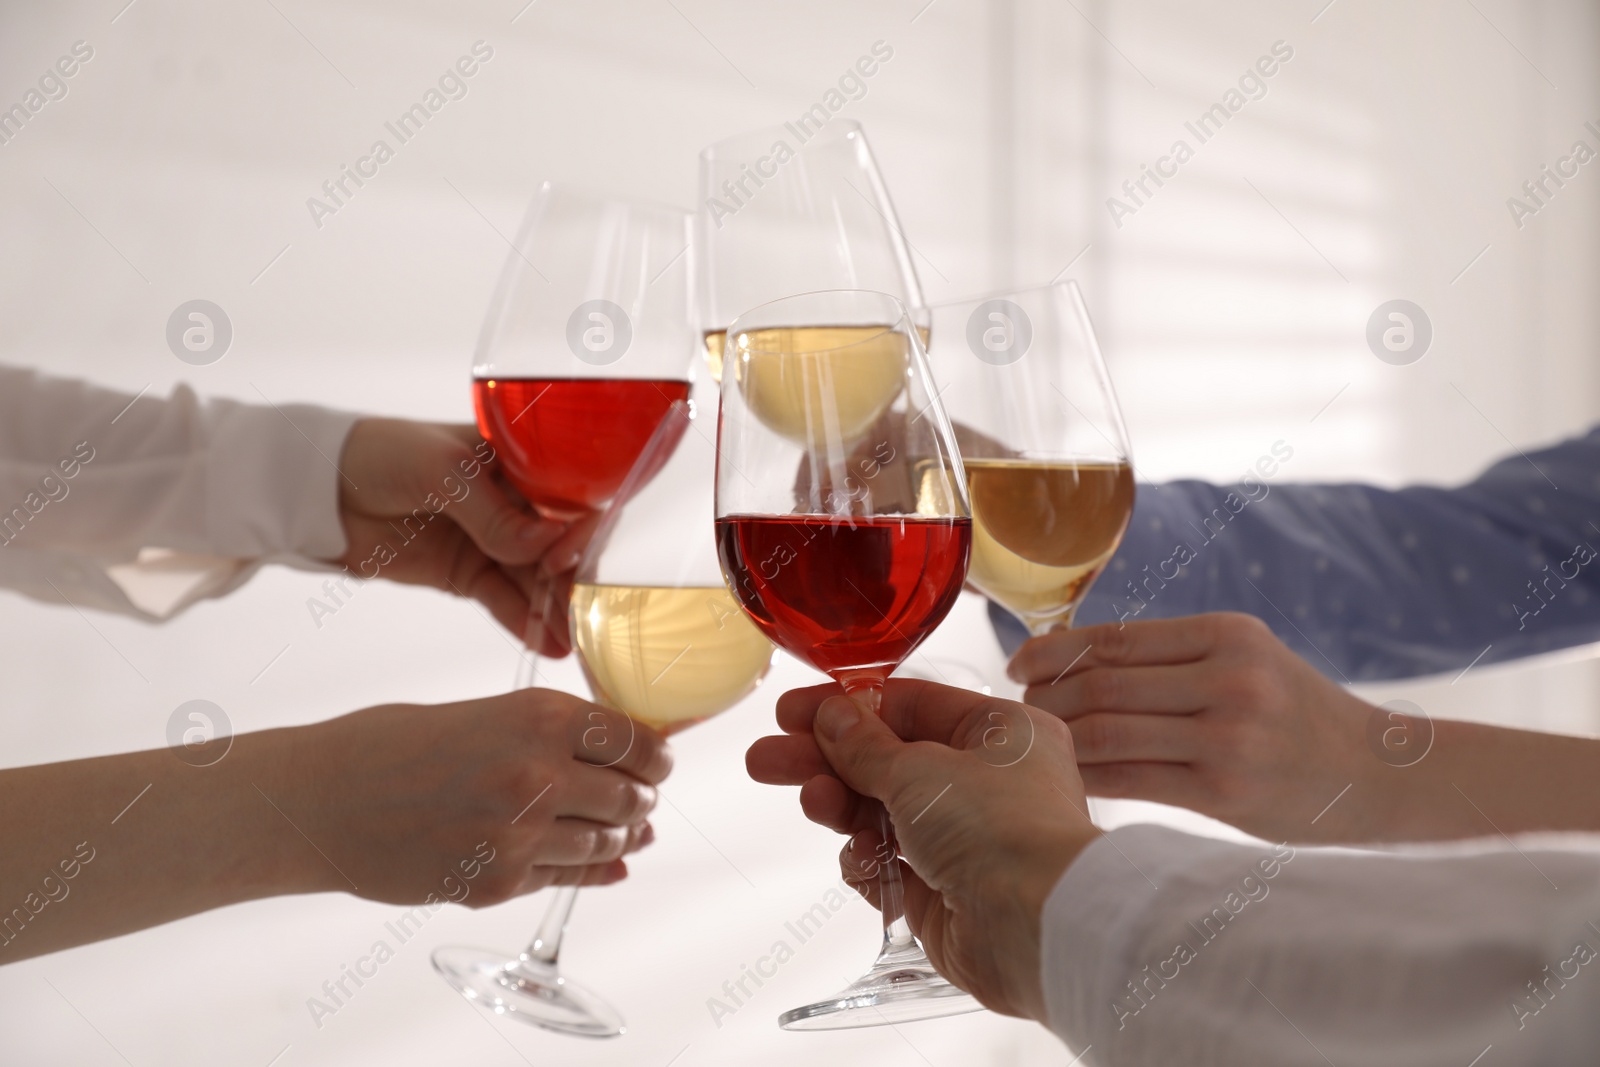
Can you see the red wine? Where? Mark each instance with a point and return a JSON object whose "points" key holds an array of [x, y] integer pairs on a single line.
{"points": [[851, 597], [567, 443]]}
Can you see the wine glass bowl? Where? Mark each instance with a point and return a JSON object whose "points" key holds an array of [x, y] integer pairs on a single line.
{"points": [[659, 636], [1046, 454], [586, 345], [786, 211]]}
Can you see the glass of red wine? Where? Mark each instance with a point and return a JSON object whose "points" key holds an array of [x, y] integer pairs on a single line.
{"points": [[844, 530], [587, 347]]}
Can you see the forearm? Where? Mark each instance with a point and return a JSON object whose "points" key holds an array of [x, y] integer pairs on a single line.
{"points": [[95, 848], [91, 478], [1160, 947], [1368, 583], [1474, 781]]}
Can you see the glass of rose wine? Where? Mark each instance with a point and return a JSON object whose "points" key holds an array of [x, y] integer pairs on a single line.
{"points": [[813, 194], [844, 530], [659, 638], [586, 348], [586, 345], [1049, 471]]}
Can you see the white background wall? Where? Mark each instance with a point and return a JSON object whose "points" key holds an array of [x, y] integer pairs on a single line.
{"points": [[178, 167]]}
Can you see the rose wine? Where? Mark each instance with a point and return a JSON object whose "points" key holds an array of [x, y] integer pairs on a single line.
{"points": [[851, 597], [669, 657], [568, 443], [813, 383], [1043, 530]]}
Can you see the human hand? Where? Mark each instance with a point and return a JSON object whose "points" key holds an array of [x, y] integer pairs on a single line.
{"points": [[977, 785], [1211, 713], [884, 456], [401, 477], [554, 789]]}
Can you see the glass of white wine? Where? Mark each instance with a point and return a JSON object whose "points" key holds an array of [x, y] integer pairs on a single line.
{"points": [[659, 638], [1049, 470], [791, 209]]}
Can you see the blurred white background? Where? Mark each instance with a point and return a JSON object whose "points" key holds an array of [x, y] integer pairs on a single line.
{"points": [[1232, 306]]}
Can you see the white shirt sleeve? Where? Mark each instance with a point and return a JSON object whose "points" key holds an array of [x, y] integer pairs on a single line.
{"points": [[144, 505], [1164, 948]]}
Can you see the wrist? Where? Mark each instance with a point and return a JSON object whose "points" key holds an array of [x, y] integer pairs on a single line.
{"points": [[268, 779], [1041, 873], [1360, 782]]}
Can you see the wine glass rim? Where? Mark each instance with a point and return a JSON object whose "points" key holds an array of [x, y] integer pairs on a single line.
{"points": [[901, 317], [603, 196], [832, 130], [1069, 285]]}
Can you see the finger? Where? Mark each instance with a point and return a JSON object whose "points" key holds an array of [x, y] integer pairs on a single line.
{"points": [[1053, 655], [1150, 690], [604, 795], [545, 627], [860, 861], [500, 597], [865, 753], [797, 709], [540, 636], [609, 738], [1109, 738], [861, 866], [502, 530], [594, 874], [915, 709], [789, 759], [582, 843], [829, 802], [1177, 784], [565, 551]]}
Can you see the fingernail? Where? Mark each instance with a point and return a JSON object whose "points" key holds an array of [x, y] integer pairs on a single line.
{"points": [[532, 530], [1014, 673], [647, 836], [837, 716]]}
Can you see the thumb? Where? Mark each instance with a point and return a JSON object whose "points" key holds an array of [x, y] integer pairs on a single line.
{"points": [[504, 532], [859, 746]]}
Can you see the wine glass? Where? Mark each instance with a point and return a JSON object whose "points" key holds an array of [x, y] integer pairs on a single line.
{"points": [[844, 530], [586, 348], [788, 210], [659, 638], [586, 345], [1049, 471]]}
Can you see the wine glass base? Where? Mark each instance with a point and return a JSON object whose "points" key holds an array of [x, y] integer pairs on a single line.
{"points": [[888, 994], [528, 990]]}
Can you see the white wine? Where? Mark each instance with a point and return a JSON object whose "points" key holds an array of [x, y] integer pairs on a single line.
{"points": [[714, 340], [1043, 530], [813, 383], [667, 656]]}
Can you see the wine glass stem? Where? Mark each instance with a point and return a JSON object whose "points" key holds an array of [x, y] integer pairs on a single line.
{"points": [[546, 944], [897, 936]]}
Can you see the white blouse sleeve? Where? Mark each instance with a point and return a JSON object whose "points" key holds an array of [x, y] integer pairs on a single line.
{"points": [[1163, 948], [143, 505]]}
